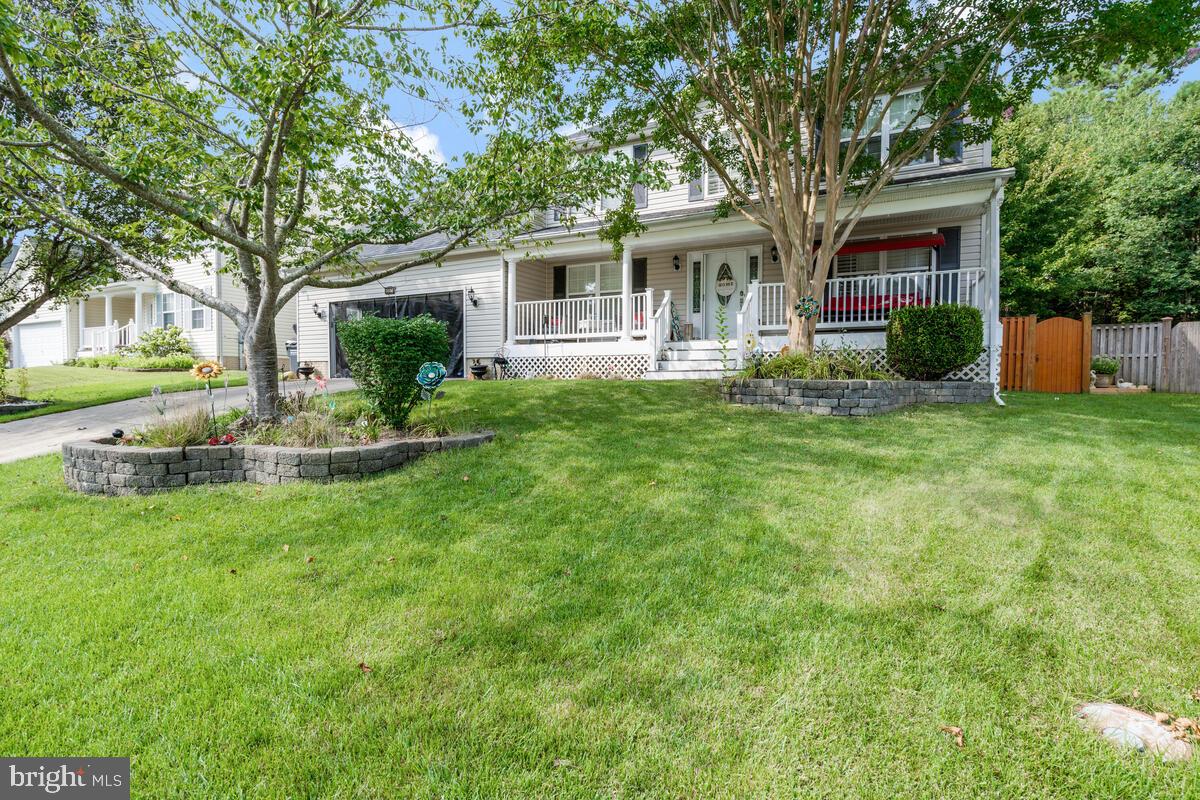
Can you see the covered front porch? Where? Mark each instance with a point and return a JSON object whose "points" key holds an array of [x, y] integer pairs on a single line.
{"points": [[664, 305], [113, 317]]}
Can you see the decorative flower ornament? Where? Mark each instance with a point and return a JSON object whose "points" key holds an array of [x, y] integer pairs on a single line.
{"points": [[749, 342], [206, 370], [808, 307], [430, 375]]}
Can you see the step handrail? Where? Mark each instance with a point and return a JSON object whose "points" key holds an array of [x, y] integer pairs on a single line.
{"points": [[660, 327], [747, 321]]}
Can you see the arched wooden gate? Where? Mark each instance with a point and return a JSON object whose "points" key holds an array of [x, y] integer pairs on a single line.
{"points": [[1053, 355]]}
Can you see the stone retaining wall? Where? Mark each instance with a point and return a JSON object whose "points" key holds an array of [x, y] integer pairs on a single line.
{"points": [[851, 398], [101, 467]]}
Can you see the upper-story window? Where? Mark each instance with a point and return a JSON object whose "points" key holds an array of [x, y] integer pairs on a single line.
{"points": [[638, 152], [903, 110]]}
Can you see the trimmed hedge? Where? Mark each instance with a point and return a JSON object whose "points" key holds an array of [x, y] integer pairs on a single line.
{"points": [[925, 343], [384, 356]]}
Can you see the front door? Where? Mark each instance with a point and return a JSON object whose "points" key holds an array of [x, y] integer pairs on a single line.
{"points": [[725, 279]]}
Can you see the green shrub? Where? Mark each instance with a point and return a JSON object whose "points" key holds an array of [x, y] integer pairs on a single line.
{"points": [[158, 342], [384, 356], [3, 369], [1106, 365], [924, 343], [156, 362], [825, 363], [108, 361]]}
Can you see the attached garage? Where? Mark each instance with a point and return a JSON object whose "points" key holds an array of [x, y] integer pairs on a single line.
{"points": [[445, 306], [37, 344]]}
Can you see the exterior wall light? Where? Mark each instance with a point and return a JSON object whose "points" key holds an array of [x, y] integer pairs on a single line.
{"points": [[675, 262], [471, 296]]}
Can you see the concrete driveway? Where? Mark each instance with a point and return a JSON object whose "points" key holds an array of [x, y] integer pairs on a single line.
{"points": [[38, 436]]}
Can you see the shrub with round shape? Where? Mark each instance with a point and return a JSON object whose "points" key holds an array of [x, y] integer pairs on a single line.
{"points": [[385, 356], [925, 343]]}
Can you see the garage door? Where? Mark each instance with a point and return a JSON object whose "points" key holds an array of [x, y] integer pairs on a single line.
{"points": [[41, 344]]}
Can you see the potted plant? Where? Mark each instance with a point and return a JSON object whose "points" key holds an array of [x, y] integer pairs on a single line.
{"points": [[1106, 369]]}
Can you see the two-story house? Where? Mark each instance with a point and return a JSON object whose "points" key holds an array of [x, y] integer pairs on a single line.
{"points": [[113, 316], [565, 308]]}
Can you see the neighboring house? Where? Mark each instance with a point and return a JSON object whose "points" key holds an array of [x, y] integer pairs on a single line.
{"points": [[565, 308], [115, 315]]}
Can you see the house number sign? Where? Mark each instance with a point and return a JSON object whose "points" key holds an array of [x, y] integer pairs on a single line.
{"points": [[726, 284]]}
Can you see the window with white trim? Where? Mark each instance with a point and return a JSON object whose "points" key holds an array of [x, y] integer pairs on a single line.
{"points": [[904, 108], [199, 315], [169, 302], [910, 259], [586, 280]]}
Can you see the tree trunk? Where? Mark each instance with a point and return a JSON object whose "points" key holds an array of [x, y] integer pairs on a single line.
{"points": [[262, 371]]}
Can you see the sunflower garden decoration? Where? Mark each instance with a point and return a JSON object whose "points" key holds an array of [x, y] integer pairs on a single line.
{"points": [[808, 307], [206, 371]]}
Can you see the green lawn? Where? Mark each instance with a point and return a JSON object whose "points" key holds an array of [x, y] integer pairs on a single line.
{"points": [[79, 387], [635, 591]]}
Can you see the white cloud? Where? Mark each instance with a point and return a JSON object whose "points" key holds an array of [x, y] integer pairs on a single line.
{"points": [[426, 141]]}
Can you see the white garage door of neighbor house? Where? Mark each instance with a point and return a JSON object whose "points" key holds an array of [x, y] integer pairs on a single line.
{"points": [[41, 345]]}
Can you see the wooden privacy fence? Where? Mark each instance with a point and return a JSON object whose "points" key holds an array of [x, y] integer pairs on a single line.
{"points": [[1055, 355], [1048, 356], [1142, 348], [1183, 358]]}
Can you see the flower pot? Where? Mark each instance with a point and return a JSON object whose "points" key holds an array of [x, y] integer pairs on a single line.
{"points": [[479, 371], [306, 372], [1104, 380]]}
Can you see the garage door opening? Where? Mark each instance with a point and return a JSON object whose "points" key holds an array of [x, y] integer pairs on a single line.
{"points": [[444, 306]]}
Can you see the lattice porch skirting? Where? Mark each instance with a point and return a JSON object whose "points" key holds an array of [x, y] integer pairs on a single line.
{"points": [[629, 366]]}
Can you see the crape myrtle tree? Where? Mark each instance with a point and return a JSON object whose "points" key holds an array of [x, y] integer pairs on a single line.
{"points": [[263, 130], [788, 101]]}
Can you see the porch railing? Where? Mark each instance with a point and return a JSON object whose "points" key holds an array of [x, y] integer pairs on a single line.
{"points": [[867, 301], [108, 338], [580, 318]]}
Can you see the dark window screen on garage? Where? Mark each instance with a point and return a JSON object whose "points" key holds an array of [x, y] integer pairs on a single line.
{"points": [[446, 306]]}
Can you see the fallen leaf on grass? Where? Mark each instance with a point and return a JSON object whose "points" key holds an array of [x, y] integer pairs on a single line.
{"points": [[233, 572], [1196, 694], [176, 518], [954, 731], [390, 559], [564, 763], [363, 668], [137, 567], [310, 559], [287, 547], [466, 478], [652, 483], [1162, 717]]}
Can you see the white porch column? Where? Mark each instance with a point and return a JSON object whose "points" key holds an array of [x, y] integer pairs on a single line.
{"points": [[137, 314], [108, 324], [626, 293], [994, 281], [510, 337], [82, 322]]}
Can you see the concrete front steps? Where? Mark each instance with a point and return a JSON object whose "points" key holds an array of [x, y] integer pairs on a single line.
{"points": [[693, 360]]}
